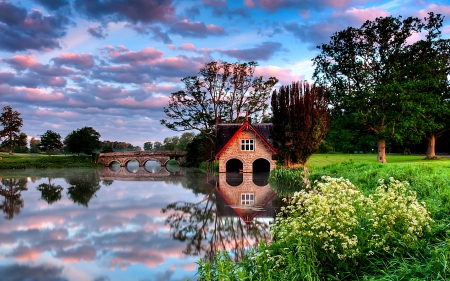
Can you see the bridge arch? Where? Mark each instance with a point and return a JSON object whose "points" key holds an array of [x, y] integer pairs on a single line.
{"points": [[141, 157]]}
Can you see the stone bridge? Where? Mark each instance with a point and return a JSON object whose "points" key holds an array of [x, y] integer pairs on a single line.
{"points": [[162, 156]]}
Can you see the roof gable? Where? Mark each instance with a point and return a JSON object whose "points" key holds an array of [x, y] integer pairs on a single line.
{"points": [[245, 126]]}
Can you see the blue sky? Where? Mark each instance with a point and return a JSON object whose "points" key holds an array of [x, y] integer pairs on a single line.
{"points": [[112, 64]]}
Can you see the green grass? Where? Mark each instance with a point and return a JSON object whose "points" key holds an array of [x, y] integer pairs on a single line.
{"points": [[39, 161]]}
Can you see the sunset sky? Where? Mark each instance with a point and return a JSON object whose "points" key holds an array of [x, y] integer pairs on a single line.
{"points": [[111, 64]]}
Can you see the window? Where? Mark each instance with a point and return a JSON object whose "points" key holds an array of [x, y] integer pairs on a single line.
{"points": [[248, 145], [248, 199]]}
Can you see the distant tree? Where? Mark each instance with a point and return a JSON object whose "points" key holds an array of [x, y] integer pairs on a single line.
{"points": [[148, 146], [34, 145], [106, 149], [20, 144], [157, 145], [184, 140], [11, 123], [171, 143], [301, 117], [50, 141], [84, 140], [364, 70], [222, 92]]}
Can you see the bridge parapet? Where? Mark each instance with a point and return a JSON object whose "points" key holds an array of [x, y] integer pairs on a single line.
{"points": [[162, 156]]}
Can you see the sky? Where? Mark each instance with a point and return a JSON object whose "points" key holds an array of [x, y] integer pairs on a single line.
{"points": [[112, 64]]}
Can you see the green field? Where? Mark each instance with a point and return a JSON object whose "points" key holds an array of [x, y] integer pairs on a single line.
{"points": [[38, 161]]}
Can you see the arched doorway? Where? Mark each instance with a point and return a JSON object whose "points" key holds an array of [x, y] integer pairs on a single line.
{"points": [[261, 165], [234, 166]]}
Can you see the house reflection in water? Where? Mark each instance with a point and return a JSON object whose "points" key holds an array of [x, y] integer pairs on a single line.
{"points": [[245, 195]]}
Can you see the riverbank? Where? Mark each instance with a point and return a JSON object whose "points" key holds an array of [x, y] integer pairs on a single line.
{"points": [[42, 161]]}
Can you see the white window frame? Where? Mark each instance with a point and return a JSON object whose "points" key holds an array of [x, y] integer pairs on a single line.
{"points": [[248, 199], [247, 144]]}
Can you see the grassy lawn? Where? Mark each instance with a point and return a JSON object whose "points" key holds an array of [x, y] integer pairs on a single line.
{"points": [[37, 161], [320, 160]]}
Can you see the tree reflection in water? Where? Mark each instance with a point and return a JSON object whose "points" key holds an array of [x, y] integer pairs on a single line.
{"points": [[11, 189], [82, 189], [205, 225], [50, 192]]}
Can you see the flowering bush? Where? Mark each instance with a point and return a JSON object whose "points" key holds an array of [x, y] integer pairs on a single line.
{"points": [[340, 223]]}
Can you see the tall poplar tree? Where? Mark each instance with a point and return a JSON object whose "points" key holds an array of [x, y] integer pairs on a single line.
{"points": [[11, 122], [301, 117]]}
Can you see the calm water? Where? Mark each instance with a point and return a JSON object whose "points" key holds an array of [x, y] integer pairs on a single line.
{"points": [[128, 223]]}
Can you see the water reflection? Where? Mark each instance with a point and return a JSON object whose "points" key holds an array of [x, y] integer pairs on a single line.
{"points": [[120, 225], [50, 192], [231, 216], [11, 190]]}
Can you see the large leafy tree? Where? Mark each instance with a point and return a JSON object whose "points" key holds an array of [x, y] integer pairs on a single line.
{"points": [[50, 141], [222, 92], [20, 143], [84, 140], [11, 122], [301, 117], [364, 71], [34, 145], [426, 81]]}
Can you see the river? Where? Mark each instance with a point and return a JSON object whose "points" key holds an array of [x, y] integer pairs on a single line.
{"points": [[129, 223]]}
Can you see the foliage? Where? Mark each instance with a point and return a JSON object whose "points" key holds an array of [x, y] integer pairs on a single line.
{"points": [[84, 140], [34, 145], [50, 141], [106, 149], [11, 122], [82, 190], [11, 190], [20, 143], [148, 146], [118, 146], [301, 118], [365, 68], [198, 151], [51, 193], [222, 92]]}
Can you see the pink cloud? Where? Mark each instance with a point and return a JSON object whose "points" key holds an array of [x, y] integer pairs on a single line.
{"points": [[23, 62], [187, 47], [139, 57], [362, 15], [84, 60], [283, 74], [40, 95], [249, 3]]}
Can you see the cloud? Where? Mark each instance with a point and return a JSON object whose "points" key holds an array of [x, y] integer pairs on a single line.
{"points": [[263, 51], [156, 31], [83, 61], [285, 75], [145, 11], [39, 273], [97, 32], [54, 4], [21, 31], [196, 29]]}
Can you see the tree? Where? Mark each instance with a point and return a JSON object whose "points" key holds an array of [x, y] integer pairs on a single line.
{"points": [[363, 69], [426, 80], [34, 145], [157, 145], [148, 146], [84, 140], [170, 143], [11, 123], [185, 139], [20, 143], [222, 92], [50, 141], [301, 117]]}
